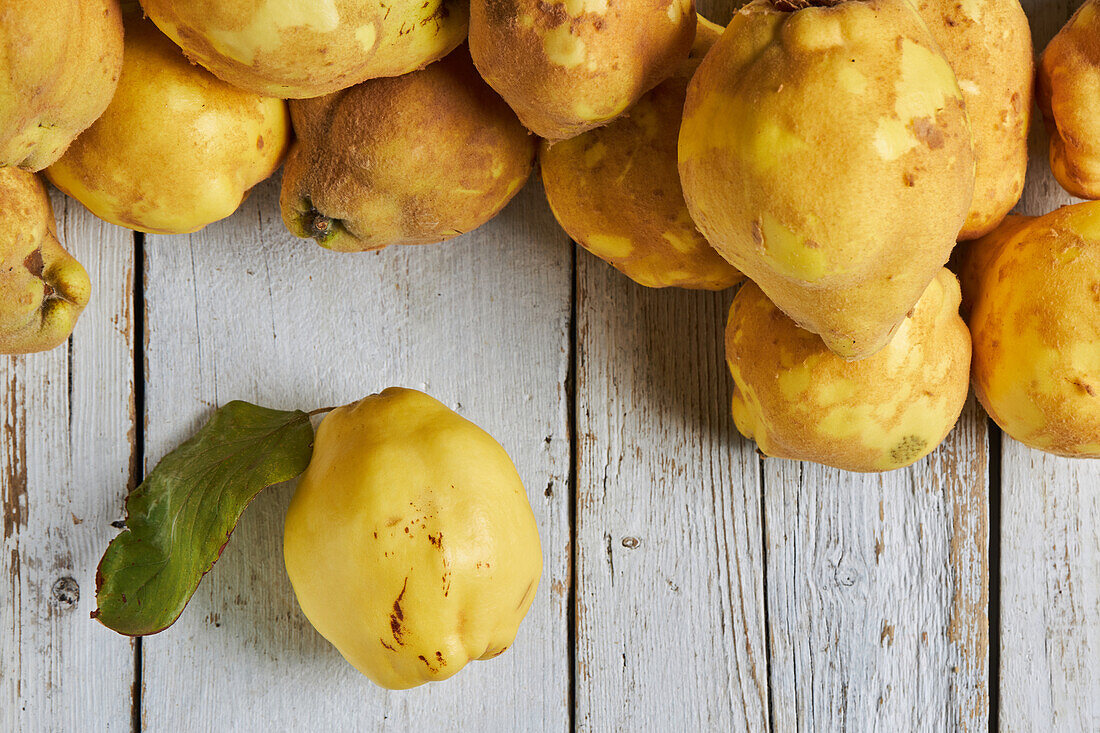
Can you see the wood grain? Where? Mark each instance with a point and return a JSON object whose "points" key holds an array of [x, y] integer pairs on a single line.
{"points": [[876, 588], [669, 597], [669, 610], [1050, 533], [713, 590], [243, 310], [1050, 592], [66, 444]]}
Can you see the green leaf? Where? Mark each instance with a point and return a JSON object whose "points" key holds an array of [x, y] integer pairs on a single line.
{"points": [[180, 518]]}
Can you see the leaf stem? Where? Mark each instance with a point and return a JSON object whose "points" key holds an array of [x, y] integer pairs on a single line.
{"points": [[320, 411]]}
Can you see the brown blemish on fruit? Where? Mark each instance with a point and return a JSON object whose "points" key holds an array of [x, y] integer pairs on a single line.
{"points": [[34, 264], [1084, 387], [554, 13], [398, 615], [907, 448], [926, 131], [526, 595]]}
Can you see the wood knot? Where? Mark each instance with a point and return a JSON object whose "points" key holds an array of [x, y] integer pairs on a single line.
{"points": [[65, 592]]}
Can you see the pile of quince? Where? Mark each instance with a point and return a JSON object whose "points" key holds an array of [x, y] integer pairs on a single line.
{"points": [[826, 156]]}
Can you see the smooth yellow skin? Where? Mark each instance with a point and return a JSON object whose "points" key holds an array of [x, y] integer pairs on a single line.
{"points": [[59, 65], [567, 66], [296, 49], [826, 154], [988, 43], [798, 400], [616, 189], [177, 148], [410, 541], [416, 159], [43, 288], [1068, 90], [1035, 321]]}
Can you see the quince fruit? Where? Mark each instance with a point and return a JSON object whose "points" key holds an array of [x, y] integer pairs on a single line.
{"points": [[410, 541], [177, 148], [59, 65], [296, 49], [43, 288]]}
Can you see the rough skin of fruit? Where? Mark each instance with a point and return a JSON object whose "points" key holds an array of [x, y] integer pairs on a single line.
{"points": [[1034, 289], [43, 288], [970, 259], [410, 541], [59, 64], [988, 43], [1068, 90], [296, 49], [566, 66], [415, 159], [177, 148], [616, 189], [798, 400], [826, 154]]}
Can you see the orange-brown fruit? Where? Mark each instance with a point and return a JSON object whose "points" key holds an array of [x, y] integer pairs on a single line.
{"points": [[566, 66], [800, 401], [988, 43], [616, 189], [1069, 96], [414, 159], [1033, 286]]}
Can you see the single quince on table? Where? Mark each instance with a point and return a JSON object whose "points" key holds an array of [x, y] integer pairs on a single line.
{"points": [[410, 541]]}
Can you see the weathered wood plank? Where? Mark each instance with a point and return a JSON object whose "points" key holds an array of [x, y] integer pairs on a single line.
{"points": [[669, 561], [876, 591], [1050, 533], [66, 445], [670, 628], [243, 310], [1050, 592]]}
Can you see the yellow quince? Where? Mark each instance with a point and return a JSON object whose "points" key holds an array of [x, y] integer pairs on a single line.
{"points": [[410, 541]]}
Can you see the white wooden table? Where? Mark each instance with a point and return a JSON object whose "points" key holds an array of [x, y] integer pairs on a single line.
{"points": [[689, 583]]}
